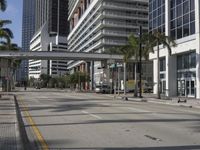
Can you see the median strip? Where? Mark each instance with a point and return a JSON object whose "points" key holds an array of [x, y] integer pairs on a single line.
{"points": [[31, 122]]}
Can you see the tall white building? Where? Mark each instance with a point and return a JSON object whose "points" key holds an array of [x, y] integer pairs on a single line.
{"points": [[97, 25], [180, 72]]}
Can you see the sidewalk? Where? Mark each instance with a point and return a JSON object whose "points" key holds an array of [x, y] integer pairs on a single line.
{"points": [[151, 98], [9, 133]]}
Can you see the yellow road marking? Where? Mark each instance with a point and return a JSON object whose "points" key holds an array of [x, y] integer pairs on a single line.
{"points": [[34, 126]]}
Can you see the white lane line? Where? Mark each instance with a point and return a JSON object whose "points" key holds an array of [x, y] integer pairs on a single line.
{"points": [[95, 116], [137, 109]]}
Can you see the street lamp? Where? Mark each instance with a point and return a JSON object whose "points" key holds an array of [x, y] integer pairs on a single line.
{"points": [[140, 62]]}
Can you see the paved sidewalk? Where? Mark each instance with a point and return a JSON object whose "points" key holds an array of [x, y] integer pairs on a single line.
{"points": [[9, 134], [192, 103]]}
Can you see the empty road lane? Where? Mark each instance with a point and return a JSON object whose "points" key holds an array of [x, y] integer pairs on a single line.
{"points": [[60, 120]]}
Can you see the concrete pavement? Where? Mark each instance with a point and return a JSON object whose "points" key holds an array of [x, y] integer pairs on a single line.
{"points": [[60, 120], [9, 131]]}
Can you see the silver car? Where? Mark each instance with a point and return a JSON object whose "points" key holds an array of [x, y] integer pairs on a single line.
{"points": [[103, 89]]}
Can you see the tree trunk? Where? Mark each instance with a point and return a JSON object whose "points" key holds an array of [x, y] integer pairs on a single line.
{"points": [[136, 87], [124, 78], [158, 72]]}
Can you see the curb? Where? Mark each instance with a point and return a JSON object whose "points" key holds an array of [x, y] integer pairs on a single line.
{"points": [[22, 131], [156, 102]]}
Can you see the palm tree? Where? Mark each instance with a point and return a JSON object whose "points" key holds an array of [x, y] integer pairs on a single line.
{"points": [[5, 33], [3, 5], [133, 49], [127, 54], [155, 39], [13, 64]]}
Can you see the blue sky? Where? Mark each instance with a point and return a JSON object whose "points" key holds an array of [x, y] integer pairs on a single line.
{"points": [[14, 13]]}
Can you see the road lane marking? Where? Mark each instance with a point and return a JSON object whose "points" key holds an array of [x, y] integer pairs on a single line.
{"points": [[138, 110], [95, 116], [31, 122]]}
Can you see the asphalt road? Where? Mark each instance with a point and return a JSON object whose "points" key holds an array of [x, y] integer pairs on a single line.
{"points": [[60, 120]]}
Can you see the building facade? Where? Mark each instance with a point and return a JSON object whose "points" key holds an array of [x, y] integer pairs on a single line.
{"points": [[179, 72], [28, 29], [97, 25], [52, 29]]}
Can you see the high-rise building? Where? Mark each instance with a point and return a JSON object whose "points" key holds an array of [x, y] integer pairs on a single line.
{"points": [[28, 29], [51, 25], [97, 25], [180, 71]]}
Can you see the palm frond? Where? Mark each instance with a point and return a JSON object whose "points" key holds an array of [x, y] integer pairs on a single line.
{"points": [[4, 22], [3, 5]]}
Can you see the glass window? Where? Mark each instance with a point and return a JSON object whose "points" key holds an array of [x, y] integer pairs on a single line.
{"points": [[191, 5], [183, 12], [173, 24], [185, 18], [162, 64], [179, 62], [193, 60], [172, 3], [178, 2], [192, 16], [179, 11], [154, 4], [185, 61], [179, 22], [185, 7], [173, 14], [179, 33], [173, 34], [192, 27], [186, 30]]}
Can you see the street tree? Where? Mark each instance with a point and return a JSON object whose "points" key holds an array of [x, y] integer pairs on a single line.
{"points": [[12, 64], [45, 79], [152, 40]]}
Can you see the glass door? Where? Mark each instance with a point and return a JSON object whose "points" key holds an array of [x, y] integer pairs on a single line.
{"points": [[181, 87], [190, 88]]}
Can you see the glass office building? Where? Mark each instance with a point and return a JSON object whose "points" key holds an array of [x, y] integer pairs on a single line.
{"points": [[180, 72], [28, 29]]}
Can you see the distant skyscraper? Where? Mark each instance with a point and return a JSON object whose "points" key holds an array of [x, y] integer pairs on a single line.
{"points": [[28, 29], [47, 12], [50, 35]]}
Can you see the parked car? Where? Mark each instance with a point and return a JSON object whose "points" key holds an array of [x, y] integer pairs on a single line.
{"points": [[103, 89]]}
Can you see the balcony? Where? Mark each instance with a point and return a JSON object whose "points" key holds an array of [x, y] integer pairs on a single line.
{"points": [[125, 6]]}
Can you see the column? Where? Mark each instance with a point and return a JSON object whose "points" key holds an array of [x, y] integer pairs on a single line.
{"points": [[155, 78], [92, 75], [171, 76], [197, 12]]}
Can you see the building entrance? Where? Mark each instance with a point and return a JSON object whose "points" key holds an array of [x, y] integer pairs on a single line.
{"points": [[187, 87]]}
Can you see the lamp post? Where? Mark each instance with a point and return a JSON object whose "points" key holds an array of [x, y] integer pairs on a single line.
{"points": [[140, 62]]}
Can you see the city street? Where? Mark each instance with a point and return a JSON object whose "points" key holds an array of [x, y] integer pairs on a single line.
{"points": [[61, 120]]}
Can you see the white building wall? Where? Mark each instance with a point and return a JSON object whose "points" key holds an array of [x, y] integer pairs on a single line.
{"points": [[105, 24], [41, 42], [184, 45]]}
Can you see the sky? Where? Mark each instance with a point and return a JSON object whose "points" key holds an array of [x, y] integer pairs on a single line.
{"points": [[14, 13]]}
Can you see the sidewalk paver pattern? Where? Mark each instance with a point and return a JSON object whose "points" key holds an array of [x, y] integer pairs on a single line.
{"points": [[8, 121]]}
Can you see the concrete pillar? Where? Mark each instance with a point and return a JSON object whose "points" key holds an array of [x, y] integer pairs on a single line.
{"points": [[197, 19], [171, 76], [92, 75], [155, 78]]}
